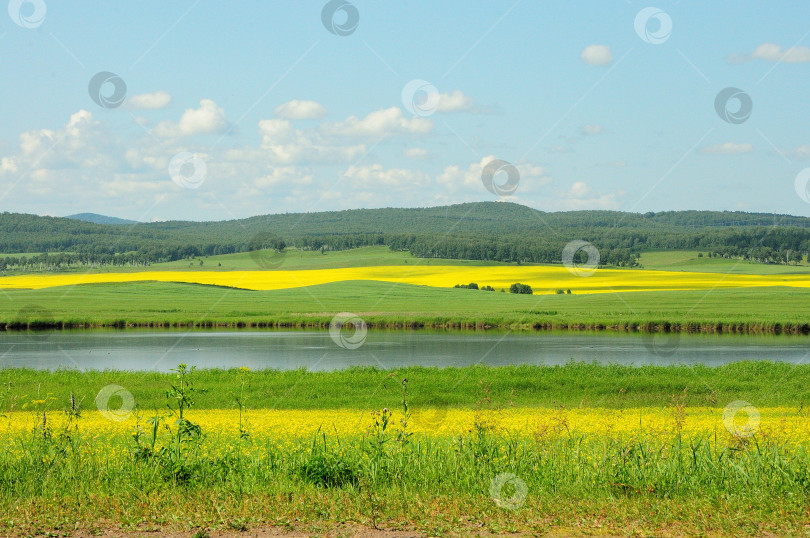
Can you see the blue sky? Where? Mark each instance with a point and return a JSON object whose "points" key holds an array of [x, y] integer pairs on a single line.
{"points": [[240, 108]]}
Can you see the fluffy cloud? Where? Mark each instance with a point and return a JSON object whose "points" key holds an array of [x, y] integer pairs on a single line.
{"points": [[581, 196], [416, 153], [454, 102], [597, 55], [375, 176], [284, 144], [379, 123], [149, 101], [300, 110], [208, 118], [592, 129], [455, 178], [801, 152], [727, 148], [770, 52]]}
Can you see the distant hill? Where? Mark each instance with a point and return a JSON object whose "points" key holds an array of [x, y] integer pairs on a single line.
{"points": [[475, 231], [100, 219]]}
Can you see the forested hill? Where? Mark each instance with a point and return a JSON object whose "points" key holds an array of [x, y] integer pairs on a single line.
{"points": [[484, 230], [100, 219]]}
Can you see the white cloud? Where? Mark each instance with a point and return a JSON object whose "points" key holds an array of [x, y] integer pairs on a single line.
{"points": [[454, 102], [727, 148], [592, 129], [581, 196], [580, 189], [284, 144], [300, 110], [416, 153], [771, 52], [208, 118], [801, 152], [375, 176], [379, 123], [150, 101], [597, 55], [285, 175], [454, 178], [774, 53]]}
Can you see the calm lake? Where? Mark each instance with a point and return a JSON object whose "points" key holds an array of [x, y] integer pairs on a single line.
{"points": [[318, 350]]}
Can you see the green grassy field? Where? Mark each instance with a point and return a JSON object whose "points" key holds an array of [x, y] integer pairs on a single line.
{"points": [[177, 478], [572, 385], [392, 305], [686, 260]]}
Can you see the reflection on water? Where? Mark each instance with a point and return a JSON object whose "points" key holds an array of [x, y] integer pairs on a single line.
{"points": [[316, 350]]}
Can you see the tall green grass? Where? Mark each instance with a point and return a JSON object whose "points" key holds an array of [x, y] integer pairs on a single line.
{"points": [[763, 384], [63, 481]]}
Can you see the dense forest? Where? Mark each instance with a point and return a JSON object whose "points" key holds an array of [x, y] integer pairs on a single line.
{"points": [[476, 231]]}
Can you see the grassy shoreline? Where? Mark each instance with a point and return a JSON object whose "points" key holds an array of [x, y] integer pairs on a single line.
{"points": [[574, 385], [323, 322], [386, 306], [580, 460], [586, 469]]}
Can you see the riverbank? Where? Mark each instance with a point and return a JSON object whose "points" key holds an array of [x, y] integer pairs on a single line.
{"points": [[391, 306], [128, 460], [766, 384]]}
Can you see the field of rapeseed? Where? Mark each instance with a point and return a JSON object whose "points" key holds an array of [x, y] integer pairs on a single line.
{"points": [[541, 279], [417, 468]]}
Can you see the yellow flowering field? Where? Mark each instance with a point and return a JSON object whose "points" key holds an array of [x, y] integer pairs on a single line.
{"points": [[779, 423], [542, 279]]}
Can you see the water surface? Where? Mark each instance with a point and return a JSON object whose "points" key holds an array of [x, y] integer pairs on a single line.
{"points": [[318, 351]]}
